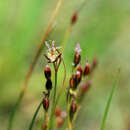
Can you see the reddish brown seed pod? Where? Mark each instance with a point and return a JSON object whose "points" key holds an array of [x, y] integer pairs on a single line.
{"points": [[74, 17], [78, 77], [87, 69], [57, 111], [85, 87], [47, 72], [45, 103], [73, 109], [79, 68], [77, 59], [73, 82]]}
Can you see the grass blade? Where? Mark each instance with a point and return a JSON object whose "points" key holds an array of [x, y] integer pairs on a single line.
{"points": [[34, 116], [109, 102]]}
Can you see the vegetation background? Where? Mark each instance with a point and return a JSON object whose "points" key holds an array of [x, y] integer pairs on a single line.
{"points": [[103, 31]]}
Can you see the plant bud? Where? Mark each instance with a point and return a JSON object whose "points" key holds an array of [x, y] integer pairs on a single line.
{"points": [[46, 103], [77, 58], [73, 82], [79, 68], [85, 87], [87, 69], [48, 84], [78, 77], [74, 18], [47, 72], [57, 111], [94, 63], [73, 109]]}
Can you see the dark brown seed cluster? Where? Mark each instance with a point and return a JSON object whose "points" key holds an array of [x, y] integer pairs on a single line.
{"points": [[47, 73]]}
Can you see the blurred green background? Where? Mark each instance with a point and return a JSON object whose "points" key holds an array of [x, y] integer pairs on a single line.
{"points": [[103, 31]]}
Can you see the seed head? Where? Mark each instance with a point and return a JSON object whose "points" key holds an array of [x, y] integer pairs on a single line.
{"points": [[80, 69], [47, 72], [85, 87], [73, 109], [77, 56], [73, 81], [57, 111], [78, 77], [74, 18], [48, 84], [46, 103], [87, 69]]}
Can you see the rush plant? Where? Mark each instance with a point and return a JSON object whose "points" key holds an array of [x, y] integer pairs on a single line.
{"points": [[79, 84]]}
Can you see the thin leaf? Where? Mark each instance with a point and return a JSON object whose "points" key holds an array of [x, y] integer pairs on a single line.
{"points": [[109, 102], [34, 116]]}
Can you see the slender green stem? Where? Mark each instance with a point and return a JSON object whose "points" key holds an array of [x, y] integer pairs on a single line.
{"points": [[109, 103], [34, 116], [66, 37], [53, 104], [63, 83], [14, 111], [68, 115]]}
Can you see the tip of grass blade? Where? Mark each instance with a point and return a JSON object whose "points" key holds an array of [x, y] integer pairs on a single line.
{"points": [[109, 100]]}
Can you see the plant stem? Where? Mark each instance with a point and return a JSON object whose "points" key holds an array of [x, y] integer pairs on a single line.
{"points": [[53, 104], [14, 111], [34, 116], [109, 102], [69, 121], [63, 83], [66, 37], [29, 73]]}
